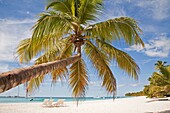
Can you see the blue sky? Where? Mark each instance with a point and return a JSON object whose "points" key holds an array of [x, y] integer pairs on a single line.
{"points": [[17, 18]]}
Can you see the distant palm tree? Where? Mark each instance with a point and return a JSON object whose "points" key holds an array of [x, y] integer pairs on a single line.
{"points": [[163, 74], [159, 64], [69, 26]]}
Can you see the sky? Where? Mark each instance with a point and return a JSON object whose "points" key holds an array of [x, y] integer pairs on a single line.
{"points": [[18, 16]]}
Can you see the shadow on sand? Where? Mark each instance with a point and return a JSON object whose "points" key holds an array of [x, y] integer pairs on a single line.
{"points": [[167, 111], [158, 100]]}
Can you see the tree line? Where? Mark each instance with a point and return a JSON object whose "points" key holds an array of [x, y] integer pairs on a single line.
{"points": [[159, 85]]}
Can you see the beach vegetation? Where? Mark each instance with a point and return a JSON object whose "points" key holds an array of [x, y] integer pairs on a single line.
{"points": [[159, 82]]}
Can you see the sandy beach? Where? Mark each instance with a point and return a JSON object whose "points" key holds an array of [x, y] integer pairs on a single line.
{"points": [[125, 105]]}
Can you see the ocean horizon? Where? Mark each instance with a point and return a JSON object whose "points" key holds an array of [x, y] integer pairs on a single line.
{"points": [[20, 99]]}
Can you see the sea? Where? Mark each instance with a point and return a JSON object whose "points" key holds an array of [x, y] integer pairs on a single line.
{"points": [[17, 99]]}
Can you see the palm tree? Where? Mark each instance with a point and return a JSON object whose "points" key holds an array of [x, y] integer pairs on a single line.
{"points": [[68, 27], [163, 75], [159, 64]]}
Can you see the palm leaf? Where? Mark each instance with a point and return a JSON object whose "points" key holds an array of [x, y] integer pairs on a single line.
{"points": [[47, 57], [27, 48], [34, 83], [165, 71], [60, 73], [67, 50], [101, 63], [63, 6], [124, 61], [23, 50], [163, 77], [115, 29], [55, 52], [50, 23], [89, 10], [78, 78], [64, 50]]}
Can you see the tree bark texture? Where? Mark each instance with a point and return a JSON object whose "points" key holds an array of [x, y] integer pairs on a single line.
{"points": [[19, 76]]}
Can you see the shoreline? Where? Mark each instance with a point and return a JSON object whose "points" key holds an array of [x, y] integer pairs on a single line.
{"points": [[119, 105]]}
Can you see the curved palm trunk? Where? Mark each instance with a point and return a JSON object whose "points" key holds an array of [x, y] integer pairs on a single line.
{"points": [[16, 77]]}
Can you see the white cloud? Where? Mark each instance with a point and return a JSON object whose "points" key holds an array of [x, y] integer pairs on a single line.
{"points": [[135, 85], [121, 85], [95, 83], [157, 47], [127, 85], [149, 28], [137, 48], [11, 32], [27, 12], [148, 60], [114, 10], [16, 22], [159, 8]]}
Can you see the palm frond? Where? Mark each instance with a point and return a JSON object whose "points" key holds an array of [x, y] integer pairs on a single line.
{"points": [[63, 51], [24, 50], [101, 63], [34, 84], [124, 61], [56, 52], [163, 77], [51, 23], [27, 48], [89, 10], [47, 57], [66, 7], [165, 71], [60, 73], [63, 6], [78, 78], [67, 51], [115, 29], [41, 41]]}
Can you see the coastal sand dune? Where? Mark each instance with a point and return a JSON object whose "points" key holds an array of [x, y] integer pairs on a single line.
{"points": [[125, 105]]}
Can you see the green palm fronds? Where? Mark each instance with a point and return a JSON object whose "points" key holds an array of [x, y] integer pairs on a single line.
{"points": [[60, 73], [24, 50], [101, 62], [34, 83], [124, 61], [63, 6], [50, 23], [115, 29], [89, 10], [78, 78]]}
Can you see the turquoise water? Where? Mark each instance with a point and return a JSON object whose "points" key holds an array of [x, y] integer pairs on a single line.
{"points": [[41, 99]]}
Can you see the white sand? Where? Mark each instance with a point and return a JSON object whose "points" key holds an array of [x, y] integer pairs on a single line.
{"points": [[126, 105]]}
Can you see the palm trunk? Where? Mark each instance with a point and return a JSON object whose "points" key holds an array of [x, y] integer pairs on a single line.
{"points": [[16, 77]]}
